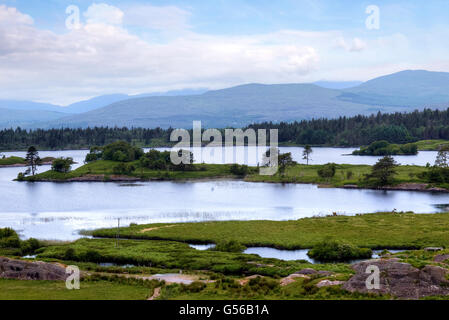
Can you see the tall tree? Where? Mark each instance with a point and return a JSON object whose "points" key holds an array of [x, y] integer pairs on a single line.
{"points": [[32, 160], [384, 170], [306, 153], [442, 158]]}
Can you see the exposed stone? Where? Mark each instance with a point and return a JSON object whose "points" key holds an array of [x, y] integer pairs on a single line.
{"points": [[433, 249], [26, 270], [400, 279], [306, 271], [292, 278], [441, 257], [328, 283]]}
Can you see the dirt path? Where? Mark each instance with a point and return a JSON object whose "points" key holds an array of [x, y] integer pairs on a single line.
{"points": [[156, 294]]}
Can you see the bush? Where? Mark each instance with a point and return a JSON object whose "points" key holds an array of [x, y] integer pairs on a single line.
{"points": [[334, 251], [70, 254], [123, 168], [62, 165], [91, 256], [195, 286], [327, 171], [229, 246], [239, 170]]}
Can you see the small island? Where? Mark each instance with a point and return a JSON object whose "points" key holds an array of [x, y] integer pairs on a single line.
{"points": [[122, 162], [12, 161], [384, 148]]}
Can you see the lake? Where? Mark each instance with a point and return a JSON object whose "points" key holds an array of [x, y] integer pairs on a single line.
{"points": [[59, 210]]}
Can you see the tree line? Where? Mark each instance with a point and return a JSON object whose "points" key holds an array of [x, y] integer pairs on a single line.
{"points": [[359, 130]]}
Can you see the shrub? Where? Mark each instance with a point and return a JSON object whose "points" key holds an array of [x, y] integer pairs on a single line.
{"points": [[239, 170], [327, 171], [335, 251], [69, 254], [123, 168], [195, 286], [62, 165], [229, 246]]}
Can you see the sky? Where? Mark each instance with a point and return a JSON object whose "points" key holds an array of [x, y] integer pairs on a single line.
{"points": [[60, 51]]}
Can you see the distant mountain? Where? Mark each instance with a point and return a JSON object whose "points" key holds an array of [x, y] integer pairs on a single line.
{"points": [[413, 88], [245, 104], [236, 106], [102, 101], [26, 118], [29, 105], [338, 84], [94, 103]]}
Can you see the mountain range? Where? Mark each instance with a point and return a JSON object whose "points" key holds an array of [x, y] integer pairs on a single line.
{"points": [[240, 105]]}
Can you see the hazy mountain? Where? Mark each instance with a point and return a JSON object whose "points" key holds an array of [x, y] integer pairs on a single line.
{"points": [[338, 84], [236, 106], [241, 105], [413, 88], [29, 105], [26, 118]]}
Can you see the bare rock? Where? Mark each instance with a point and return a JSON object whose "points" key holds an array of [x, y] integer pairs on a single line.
{"points": [[441, 257], [328, 283], [26, 270], [433, 249], [306, 271], [400, 279], [292, 278]]}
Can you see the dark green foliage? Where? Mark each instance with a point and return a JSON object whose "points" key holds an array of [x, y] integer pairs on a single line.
{"points": [[382, 148], [123, 168], [62, 164], [32, 160], [383, 171], [9, 239], [120, 151], [327, 171], [229, 246], [327, 251], [359, 130], [239, 170]]}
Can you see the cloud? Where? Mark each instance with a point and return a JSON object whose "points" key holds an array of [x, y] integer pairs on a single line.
{"points": [[103, 13], [355, 45], [159, 18], [103, 57]]}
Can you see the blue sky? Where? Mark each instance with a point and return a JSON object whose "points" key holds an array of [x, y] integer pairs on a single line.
{"points": [[145, 46]]}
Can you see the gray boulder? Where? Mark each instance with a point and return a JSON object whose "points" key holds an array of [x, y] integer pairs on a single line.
{"points": [[27, 270], [400, 279]]}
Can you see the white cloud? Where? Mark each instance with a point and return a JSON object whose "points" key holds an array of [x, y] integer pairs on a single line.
{"points": [[102, 13], [103, 57], [355, 45], [160, 18]]}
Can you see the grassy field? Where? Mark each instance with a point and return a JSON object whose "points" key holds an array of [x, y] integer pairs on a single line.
{"points": [[431, 145], [105, 167], [56, 290], [174, 255], [346, 174], [379, 230], [11, 161]]}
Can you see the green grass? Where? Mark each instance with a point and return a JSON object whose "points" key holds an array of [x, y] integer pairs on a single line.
{"points": [[346, 174], [176, 255], [105, 167], [11, 161], [380, 230], [56, 290], [431, 145], [308, 174]]}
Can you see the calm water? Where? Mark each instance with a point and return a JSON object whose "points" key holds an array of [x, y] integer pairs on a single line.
{"points": [[60, 210]]}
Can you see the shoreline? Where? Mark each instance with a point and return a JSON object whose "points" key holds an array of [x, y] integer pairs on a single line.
{"points": [[406, 186]]}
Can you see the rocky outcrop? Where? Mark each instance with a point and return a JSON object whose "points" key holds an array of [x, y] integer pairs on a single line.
{"points": [[441, 258], [26, 270], [328, 283], [400, 279]]}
